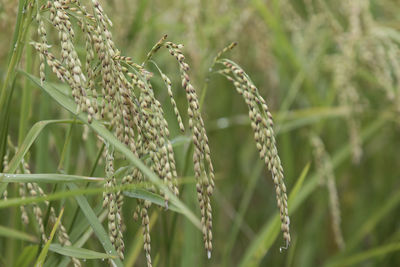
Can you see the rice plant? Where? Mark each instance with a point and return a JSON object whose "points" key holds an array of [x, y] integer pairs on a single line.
{"points": [[131, 137]]}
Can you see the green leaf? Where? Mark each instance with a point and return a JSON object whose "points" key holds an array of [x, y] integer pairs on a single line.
{"points": [[289, 121], [356, 259], [243, 207], [27, 256], [83, 231], [270, 231], [338, 158], [298, 184], [96, 225], [28, 141], [10, 202], [253, 253], [152, 197], [79, 253], [43, 254], [367, 227], [376, 216], [45, 178], [9, 232], [68, 104]]}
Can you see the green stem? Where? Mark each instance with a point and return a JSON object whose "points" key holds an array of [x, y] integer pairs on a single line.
{"points": [[26, 99], [17, 47], [65, 147], [243, 207], [87, 184]]}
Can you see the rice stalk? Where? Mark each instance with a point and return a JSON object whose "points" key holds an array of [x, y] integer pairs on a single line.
{"points": [[112, 87], [262, 125]]}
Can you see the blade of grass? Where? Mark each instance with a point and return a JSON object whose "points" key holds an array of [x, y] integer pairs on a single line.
{"points": [[23, 19], [4, 120], [79, 232], [244, 203], [27, 256], [79, 253], [12, 233], [369, 224], [43, 254], [338, 158], [152, 197], [26, 98], [267, 236], [292, 121], [18, 43], [96, 225], [93, 169], [45, 178], [12, 216], [373, 220], [356, 259], [27, 143], [42, 162], [10, 202], [29, 139]]}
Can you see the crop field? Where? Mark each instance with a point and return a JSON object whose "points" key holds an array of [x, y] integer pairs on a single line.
{"points": [[199, 133]]}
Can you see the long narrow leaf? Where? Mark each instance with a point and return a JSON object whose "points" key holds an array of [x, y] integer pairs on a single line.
{"points": [[253, 255], [152, 197], [79, 253], [356, 259], [43, 254], [83, 237], [9, 232], [96, 225], [28, 141], [270, 231], [45, 178], [27, 256]]}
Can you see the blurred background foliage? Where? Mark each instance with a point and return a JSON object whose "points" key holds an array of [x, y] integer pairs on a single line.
{"points": [[329, 69]]}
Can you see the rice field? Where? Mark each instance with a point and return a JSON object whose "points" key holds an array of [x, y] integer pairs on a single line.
{"points": [[199, 133]]}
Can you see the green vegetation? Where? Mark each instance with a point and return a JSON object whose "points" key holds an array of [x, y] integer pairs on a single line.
{"points": [[199, 133]]}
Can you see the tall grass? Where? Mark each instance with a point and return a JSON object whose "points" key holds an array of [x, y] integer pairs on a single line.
{"points": [[104, 123]]}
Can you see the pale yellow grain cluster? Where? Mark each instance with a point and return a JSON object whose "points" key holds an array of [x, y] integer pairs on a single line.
{"points": [[203, 167], [111, 203], [262, 125], [111, 87]]}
